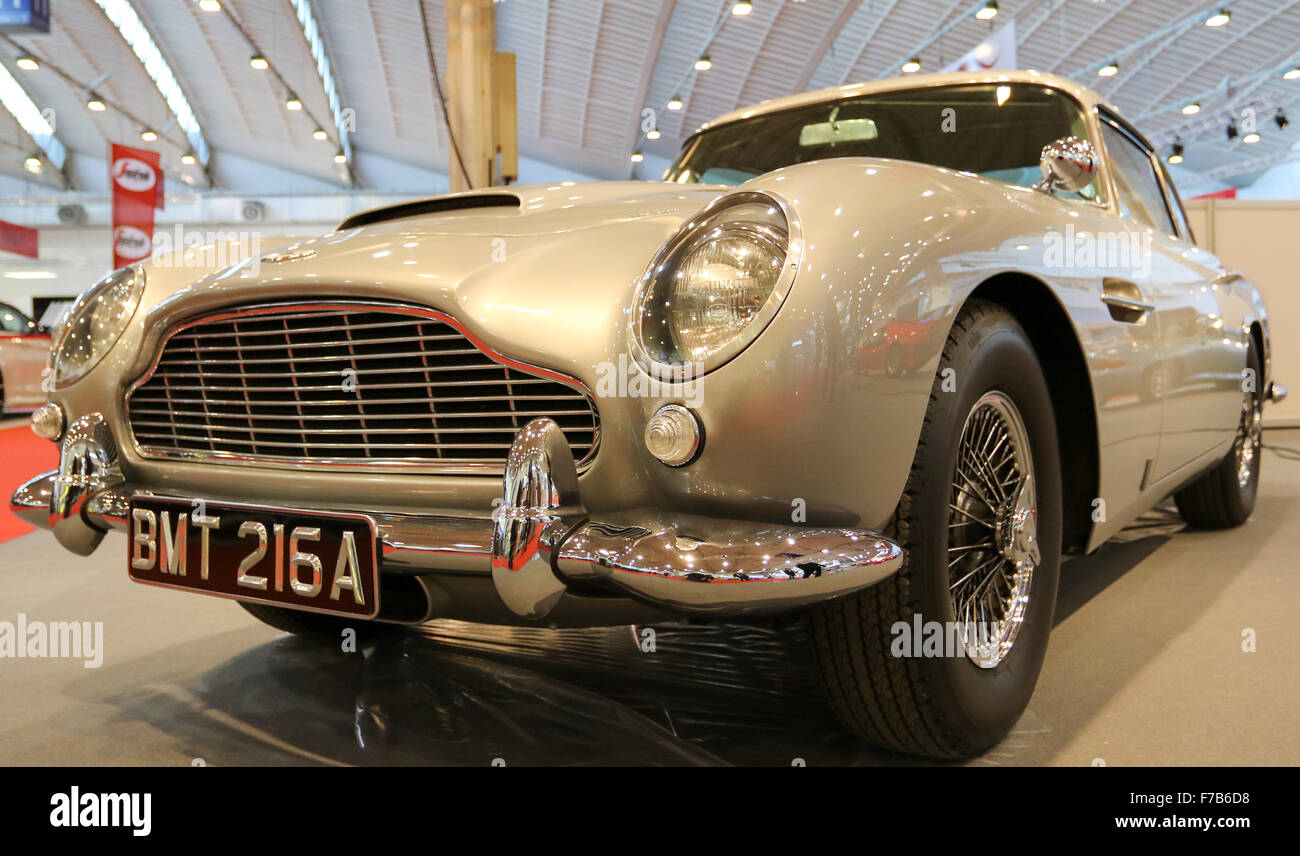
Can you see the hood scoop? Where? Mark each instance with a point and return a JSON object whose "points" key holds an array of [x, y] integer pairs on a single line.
{"points": [[424, 207]]}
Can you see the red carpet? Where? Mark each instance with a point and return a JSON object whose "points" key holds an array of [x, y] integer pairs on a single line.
{"points": [[22, 455]]}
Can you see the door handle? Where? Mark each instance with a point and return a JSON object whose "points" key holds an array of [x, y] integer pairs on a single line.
{"points": [[1124, 299]]}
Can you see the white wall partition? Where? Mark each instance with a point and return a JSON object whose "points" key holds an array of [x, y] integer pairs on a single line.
{"points": [[1262, 240]]}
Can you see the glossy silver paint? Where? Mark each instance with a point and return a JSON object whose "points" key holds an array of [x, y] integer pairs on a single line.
{"points": [[815, 411]]}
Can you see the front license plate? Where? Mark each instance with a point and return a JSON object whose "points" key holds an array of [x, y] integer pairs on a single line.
{"points": [[300, 559]]}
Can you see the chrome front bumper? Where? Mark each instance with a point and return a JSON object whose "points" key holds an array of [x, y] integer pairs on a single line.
{"points": [[538, 546]]}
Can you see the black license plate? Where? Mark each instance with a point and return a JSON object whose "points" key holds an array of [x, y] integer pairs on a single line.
{"points": [[299, 559]]}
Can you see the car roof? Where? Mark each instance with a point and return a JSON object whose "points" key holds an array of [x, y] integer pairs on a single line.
{"points": [[1082, 94]]}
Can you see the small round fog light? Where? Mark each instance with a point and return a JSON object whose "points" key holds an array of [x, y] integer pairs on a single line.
{"points": [[47, 422], [673, 435]]}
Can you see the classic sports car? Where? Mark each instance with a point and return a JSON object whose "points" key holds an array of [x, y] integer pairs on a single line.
{"points": [[634, 402], [24, 356]]}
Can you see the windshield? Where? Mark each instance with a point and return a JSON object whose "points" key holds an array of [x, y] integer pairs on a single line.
{"points": [[993, 130]]}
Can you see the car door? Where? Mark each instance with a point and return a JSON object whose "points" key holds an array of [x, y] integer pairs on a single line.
{"points": [[1196, 373], [24, 352]]}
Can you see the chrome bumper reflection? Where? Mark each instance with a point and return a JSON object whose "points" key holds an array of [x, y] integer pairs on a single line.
{"points": [[540, 543]]}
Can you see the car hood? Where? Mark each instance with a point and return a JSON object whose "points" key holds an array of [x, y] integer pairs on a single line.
{"points": [[560, 263]]}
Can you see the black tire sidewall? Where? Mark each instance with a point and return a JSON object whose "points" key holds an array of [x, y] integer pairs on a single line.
{"points": [[994, 354]]}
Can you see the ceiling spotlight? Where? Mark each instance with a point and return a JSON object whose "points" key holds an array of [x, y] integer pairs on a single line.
{"points": [[637, 157], [1252, 138], [148, 135], [1176, 154], [742, 8], [95, 104], [34, 165], [653, 134], [988, 13], [188, 158], [1191, 109], [339, 157], [210, 5], [319, 134], [703, 63], [1218, 19], [1232, 130], [292, 102], [675, 103], [27, 63], [1292, 74], [912, 66], [258, 62], [1282, 121], [1110, 69]]}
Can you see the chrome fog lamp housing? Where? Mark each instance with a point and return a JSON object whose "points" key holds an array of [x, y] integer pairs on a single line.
{"points": [[47, 422], [95, 323], [715, 285], [673, 435]]}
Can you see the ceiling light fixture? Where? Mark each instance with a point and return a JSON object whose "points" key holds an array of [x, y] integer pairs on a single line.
{"points": [[319, 134], [1110, 69], [912, 66], [1232, 131], [188, 158], [1176, 154], [989, 12], [1218, 19], [34, 165], [339, 157], [1292, 74], [258, 62], [210, 5], [1282, 121], [27, 63], [653, 134], [292, 102], [1191, 109], [675, 103], [637, 157], [95, 104], [703, 63], [148, 135], [1252, 138], [742, 8]]}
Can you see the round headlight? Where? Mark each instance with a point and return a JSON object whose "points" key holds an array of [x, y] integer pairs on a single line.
{"points": [[714, 286], [96, 323]]}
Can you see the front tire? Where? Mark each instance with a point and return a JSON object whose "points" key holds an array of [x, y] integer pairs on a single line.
{"points": [[1225, 496], [980, 517]]}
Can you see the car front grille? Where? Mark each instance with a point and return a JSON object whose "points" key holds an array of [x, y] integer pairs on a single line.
{"points": [[337, 384]]}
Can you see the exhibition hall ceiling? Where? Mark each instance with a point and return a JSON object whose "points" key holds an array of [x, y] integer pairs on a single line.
{"points": [[588, 68]]}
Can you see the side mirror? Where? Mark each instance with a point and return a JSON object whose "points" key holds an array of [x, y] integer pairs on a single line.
{"points": [[1068, 164]]}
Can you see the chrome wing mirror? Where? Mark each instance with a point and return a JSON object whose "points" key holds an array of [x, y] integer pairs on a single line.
{"points": [[1068, 164]]}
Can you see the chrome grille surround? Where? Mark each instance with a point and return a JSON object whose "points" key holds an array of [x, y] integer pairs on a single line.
{"points": [[246, 386]]}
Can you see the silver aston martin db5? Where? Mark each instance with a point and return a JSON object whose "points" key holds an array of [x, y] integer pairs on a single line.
{"points": [[876, 357]]}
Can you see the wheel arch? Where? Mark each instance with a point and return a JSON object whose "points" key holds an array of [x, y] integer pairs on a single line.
{"points": [[1047, 324]]}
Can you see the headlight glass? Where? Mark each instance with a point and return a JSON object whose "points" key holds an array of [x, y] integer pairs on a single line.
{"points": [[96, 323], [714, 286]]}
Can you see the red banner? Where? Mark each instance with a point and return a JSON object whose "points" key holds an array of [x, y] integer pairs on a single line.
{"points": [[137, 179], [19, 239]]}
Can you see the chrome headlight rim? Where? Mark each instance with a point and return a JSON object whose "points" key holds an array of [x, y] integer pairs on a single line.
{"points": [[136, 277], [691, 232]]}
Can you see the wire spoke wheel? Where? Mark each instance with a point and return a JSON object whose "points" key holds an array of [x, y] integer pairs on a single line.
{"points": [[992, 529], [1249, 436]]}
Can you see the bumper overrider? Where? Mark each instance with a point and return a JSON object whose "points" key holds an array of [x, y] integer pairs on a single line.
{"points": [[537, 545]]}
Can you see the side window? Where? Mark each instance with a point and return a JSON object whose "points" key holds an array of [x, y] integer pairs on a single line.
{"points": [[13, 321], [1140, 195]]}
